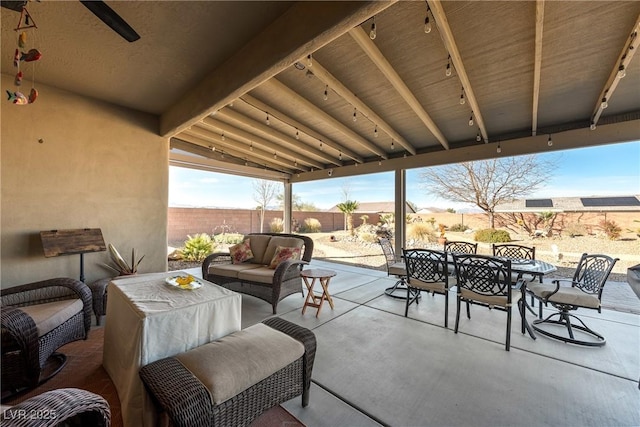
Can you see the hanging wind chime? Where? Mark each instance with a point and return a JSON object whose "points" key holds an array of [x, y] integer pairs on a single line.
{"points": [[21, 55]]}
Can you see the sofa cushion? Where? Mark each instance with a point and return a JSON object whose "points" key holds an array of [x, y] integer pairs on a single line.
{"points": [[284, 253], [231, 270], [232, 364], [291, 242], [260, 274], [259, 243], [241, 252], [50, 315]]}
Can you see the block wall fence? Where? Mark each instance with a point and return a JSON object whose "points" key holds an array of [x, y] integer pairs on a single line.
{"points": [[189, 221]]}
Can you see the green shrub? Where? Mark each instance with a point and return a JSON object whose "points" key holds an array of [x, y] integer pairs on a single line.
{"points": [[310, 225], [611, 229], [491, 235], [458, 228], [277, 225], [197, 248], [228, 238], [421, 231]]}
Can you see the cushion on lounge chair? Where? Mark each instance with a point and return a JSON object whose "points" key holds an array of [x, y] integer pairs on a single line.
{"points": [[565, 295], [50, 315]]}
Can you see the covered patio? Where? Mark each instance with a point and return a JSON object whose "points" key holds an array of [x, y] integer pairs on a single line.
{"points": [[376, 367]]}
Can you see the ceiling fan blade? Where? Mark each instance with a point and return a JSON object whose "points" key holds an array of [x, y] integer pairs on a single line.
{"points": [[112, 19]]}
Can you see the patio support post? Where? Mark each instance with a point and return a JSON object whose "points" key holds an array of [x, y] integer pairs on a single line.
{"points": [[288, 217], [401, 209]]}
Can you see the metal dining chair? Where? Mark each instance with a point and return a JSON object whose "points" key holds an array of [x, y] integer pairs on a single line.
{"points": [[516, 252], [486, 281], [460, 247], [395, 267], [427, 270], [585, 291]]}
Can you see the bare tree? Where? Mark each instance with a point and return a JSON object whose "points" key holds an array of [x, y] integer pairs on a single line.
{"points": [[488, 183], [263, 193]]}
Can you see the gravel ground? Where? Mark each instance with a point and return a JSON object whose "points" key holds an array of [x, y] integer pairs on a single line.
{"points": [[346, 249]]}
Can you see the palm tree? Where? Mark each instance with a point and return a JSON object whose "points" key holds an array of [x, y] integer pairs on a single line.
{"points": [[348, 207]]}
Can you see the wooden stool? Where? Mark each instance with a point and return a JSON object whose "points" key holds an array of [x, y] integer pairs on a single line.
{"points": [[323, 276]]}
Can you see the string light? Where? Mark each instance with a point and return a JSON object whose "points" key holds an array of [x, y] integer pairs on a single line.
{"points": [[222, 136], [372, 33], [222, 155], [295, 162], [471, 120], [549, 141], [375, 131], [592, 126], [604, 103], [326, 92], [321, 146], [393, 147], [462, 100], [380, 162], [355, 117], [478, 137], [268, 121], [212, 148], [447, 72], [340, 156], [275, 155], [309, 60], [251, 146], [297, 134], [499, 149], [427, 23], [621, 72]]}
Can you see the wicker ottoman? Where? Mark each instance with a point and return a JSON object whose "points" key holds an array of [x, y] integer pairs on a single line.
{"points": [[231, 381]]}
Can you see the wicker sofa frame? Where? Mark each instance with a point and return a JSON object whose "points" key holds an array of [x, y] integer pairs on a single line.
{"points": [[24, 354], [64, 406], [286, 277], [188, 404]]}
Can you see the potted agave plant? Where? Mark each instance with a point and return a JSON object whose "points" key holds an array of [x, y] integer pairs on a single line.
{"points": [[119, 265]]}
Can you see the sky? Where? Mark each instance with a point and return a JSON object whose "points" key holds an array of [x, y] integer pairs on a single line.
{"points": [[608, 170]]}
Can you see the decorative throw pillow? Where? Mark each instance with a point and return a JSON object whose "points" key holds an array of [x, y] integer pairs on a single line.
{"points": [[284, 253], [240, 252]]}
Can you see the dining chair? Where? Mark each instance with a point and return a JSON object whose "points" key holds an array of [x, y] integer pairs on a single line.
{"points": [[486, 281], [460, 247], [516, 252], [585, 291], [395, 267], [427, 270]]}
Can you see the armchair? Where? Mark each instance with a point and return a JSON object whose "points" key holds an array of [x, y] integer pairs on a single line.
{"points": [[37, 319], [60, 407], [585, 291], [395, 267], [427, 271]]}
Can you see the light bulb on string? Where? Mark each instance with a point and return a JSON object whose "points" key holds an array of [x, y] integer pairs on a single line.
{"points": [[373, 33], [251, 147], [462, 100], [499, 149], [275, 155], [222, 136], [297, 134], [268, 121], [592, 126], [355, 116], [321, 148], [380, 162], [309, 60], [471, 120], [549, 141], [340, 156], [427, 23], [326, 92], [478, 137], [604, 103], [375, 131], [295, 162], [393, 147], [222, 155], [447, 72], [621, 72]]}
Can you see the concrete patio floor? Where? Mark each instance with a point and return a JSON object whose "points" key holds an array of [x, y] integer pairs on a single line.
{"points": [[375, 367]]}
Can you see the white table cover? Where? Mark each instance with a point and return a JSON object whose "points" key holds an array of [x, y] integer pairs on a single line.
{"points": [[147, 320]]}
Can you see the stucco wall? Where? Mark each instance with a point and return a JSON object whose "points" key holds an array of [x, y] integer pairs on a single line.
{"points": [[98, 166]]}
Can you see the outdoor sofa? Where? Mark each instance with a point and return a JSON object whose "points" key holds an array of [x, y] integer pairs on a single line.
{"points": [[264, 265]]}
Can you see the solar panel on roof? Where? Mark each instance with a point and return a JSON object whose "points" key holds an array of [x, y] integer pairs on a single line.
{"points": [[609, 201], [538, 203]]}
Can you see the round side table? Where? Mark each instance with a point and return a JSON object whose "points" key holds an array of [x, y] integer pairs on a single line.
{"points": [[317, 275]]}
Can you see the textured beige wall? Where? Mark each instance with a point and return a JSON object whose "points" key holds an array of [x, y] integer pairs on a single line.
{"points": [[98, 166]]}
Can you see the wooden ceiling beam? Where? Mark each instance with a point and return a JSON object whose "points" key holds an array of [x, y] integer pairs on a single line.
{"points": [[631, 45], [372, 51], [329, 79], [229, 144], [305, 130], [198, 146], [304, 28], [285, 142], [252, 140], [450, 44], [537, 65], [306, 105]]}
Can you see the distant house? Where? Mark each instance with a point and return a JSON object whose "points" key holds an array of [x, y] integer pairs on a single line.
{"points": [[573, 204], [375, 208]]}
